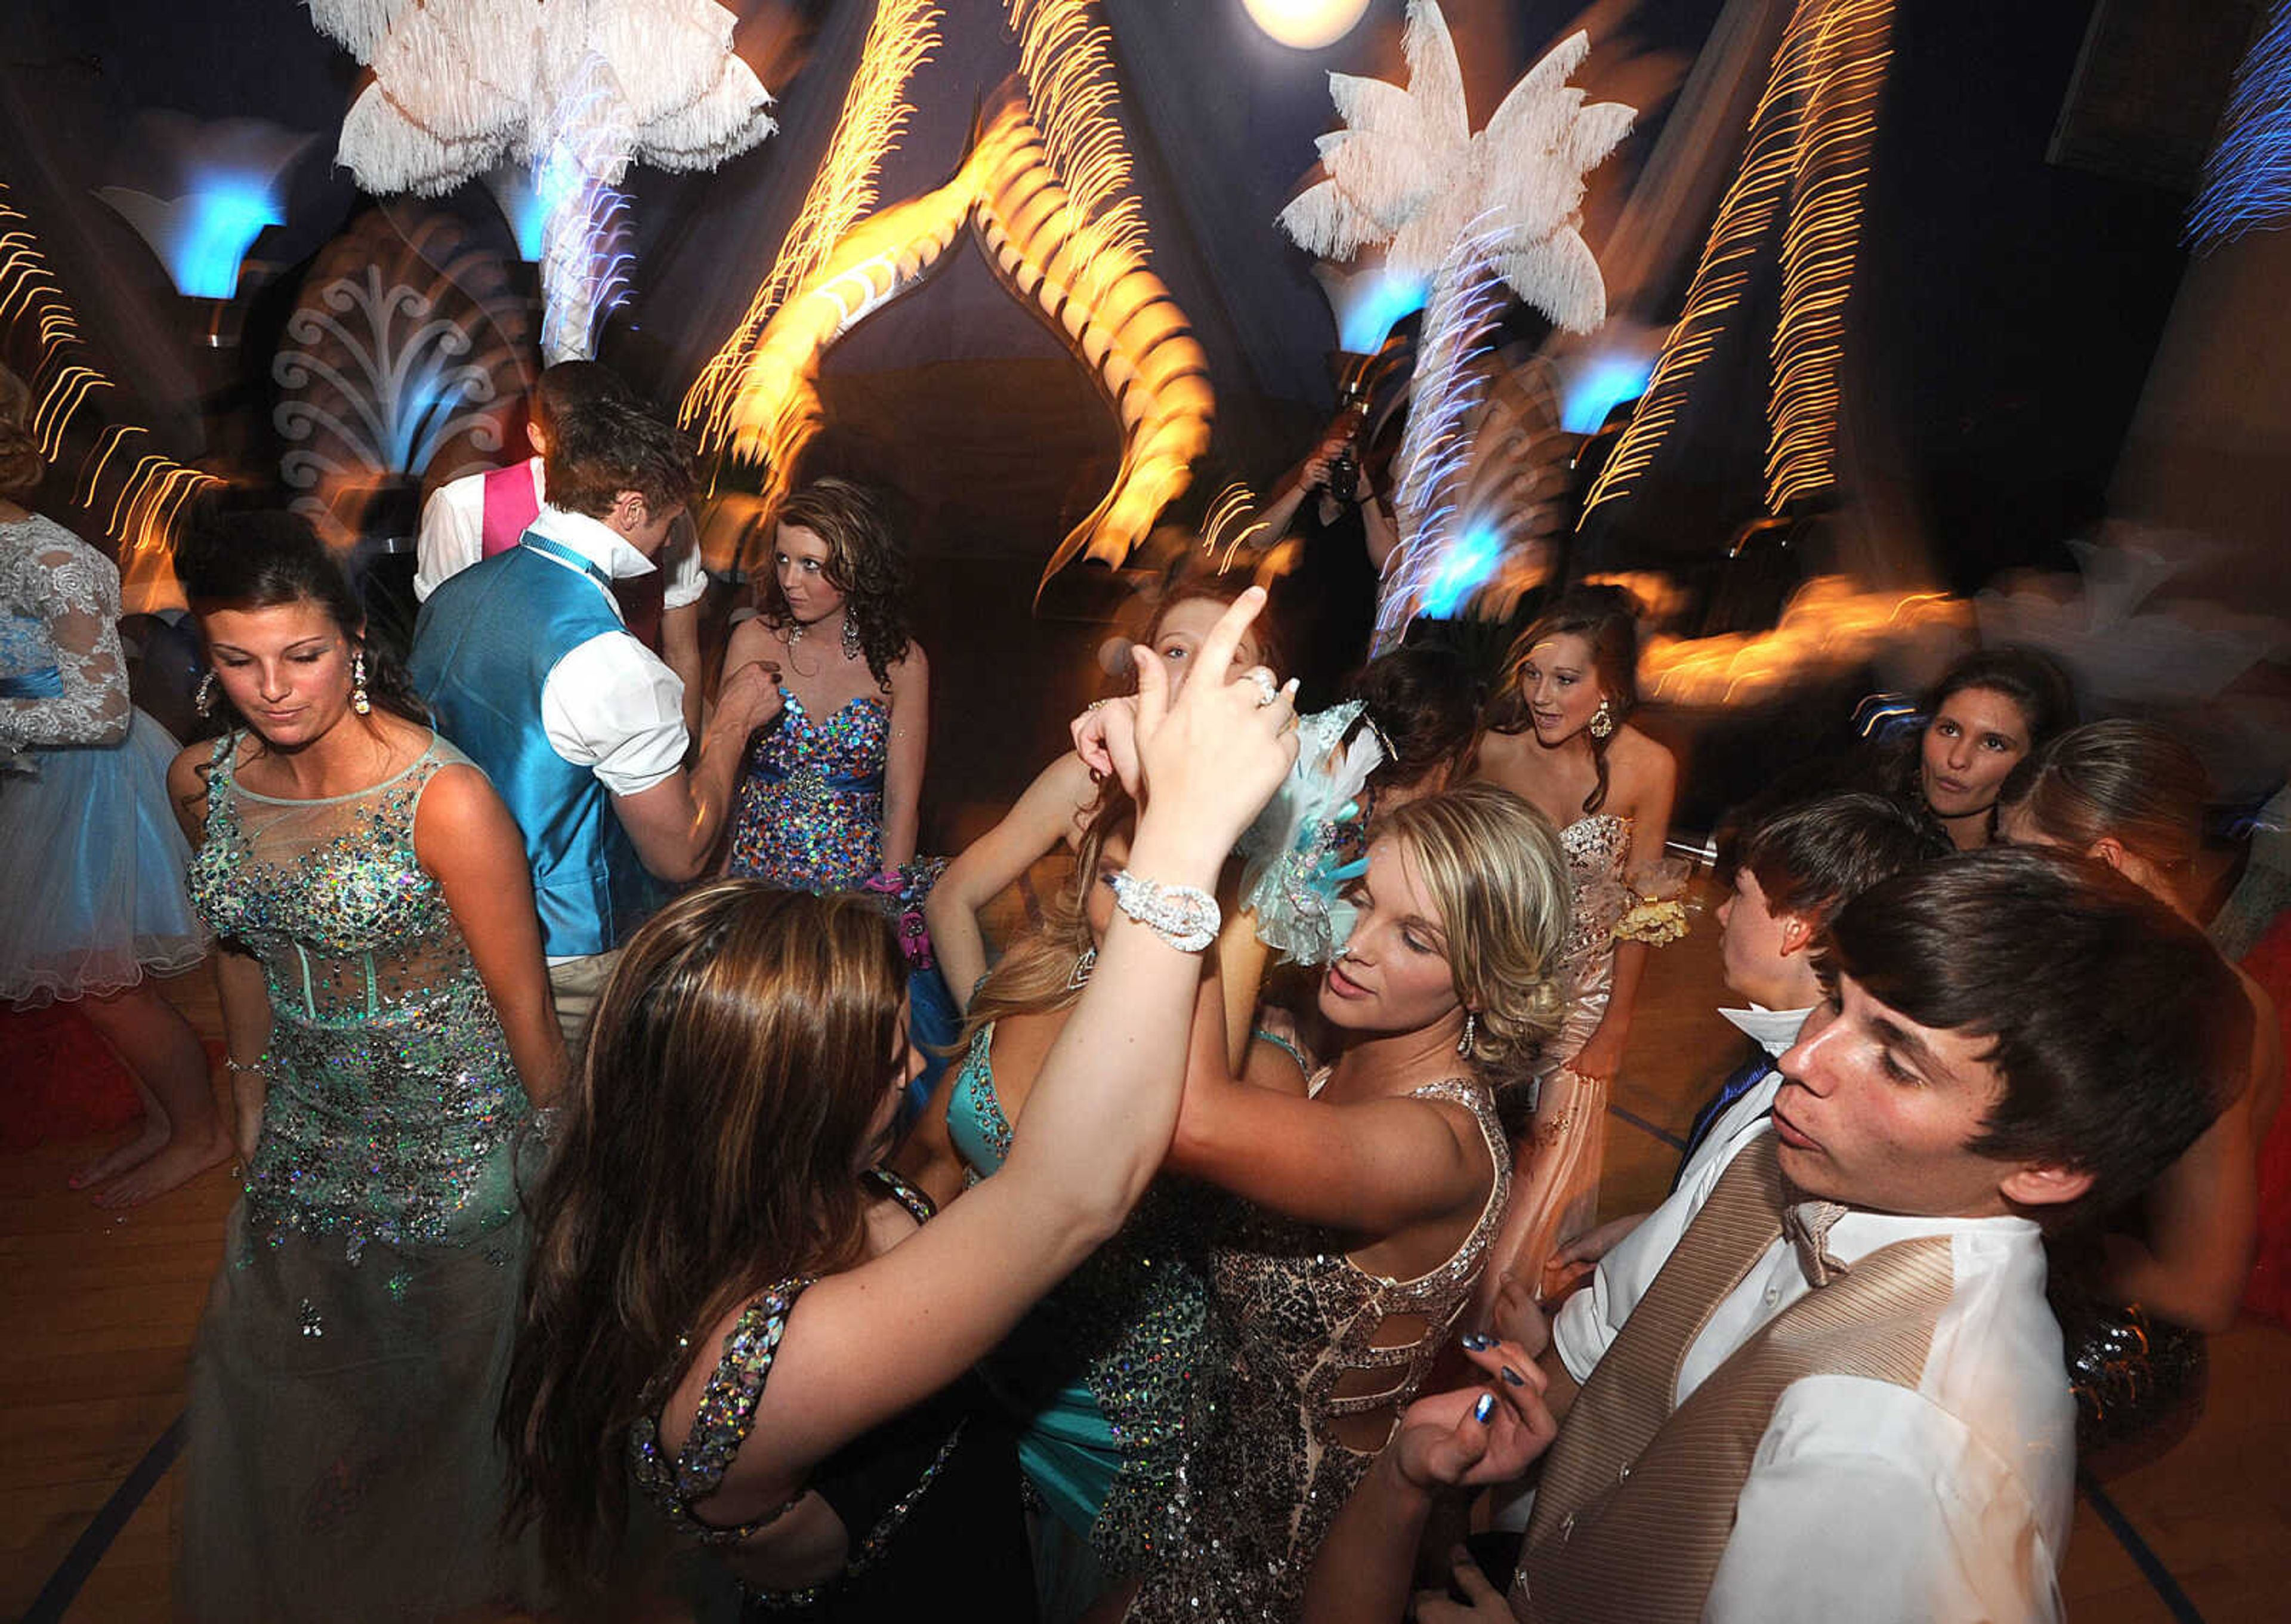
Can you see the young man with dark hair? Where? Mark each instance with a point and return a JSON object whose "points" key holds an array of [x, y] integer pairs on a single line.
{"points": [[527, 666], [1788, 868], [481, 514], [1839, 1392]]}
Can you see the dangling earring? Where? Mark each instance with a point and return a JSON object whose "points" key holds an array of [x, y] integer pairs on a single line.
{"points": [[203, 700], [1079, 977], [359, 700], [850, 635], [1602, 721], [1471, 1028]]}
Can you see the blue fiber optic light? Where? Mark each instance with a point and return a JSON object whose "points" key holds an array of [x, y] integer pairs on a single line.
{"points": [[213, 228], [1370, 318], [1604, 384], [1470, 561]]}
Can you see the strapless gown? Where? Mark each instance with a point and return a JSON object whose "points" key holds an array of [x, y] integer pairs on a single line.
{"points": [[810, 813]]}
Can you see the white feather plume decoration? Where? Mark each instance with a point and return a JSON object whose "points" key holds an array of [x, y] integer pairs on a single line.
{"points": [[1407, 173]]}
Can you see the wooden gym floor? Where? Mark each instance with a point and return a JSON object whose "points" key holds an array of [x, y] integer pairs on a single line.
{"points": [[100, 1310]]}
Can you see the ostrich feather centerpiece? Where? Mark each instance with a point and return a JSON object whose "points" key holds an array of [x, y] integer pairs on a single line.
{"points": [[1461, 213]]}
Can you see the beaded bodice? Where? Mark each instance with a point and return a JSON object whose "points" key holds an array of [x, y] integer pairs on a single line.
{"points": [[393, 1102], [1597, 848], [810, 809], [1305, 1320], [328, 893], [1305, 1315]]}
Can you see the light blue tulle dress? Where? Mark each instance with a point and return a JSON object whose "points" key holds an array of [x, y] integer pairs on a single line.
{"points": [[90, 858], [1106, 1374]]}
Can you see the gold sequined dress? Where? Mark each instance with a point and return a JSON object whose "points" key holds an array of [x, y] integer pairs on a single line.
{"points": [[341, 1460], [1262, 1484]]}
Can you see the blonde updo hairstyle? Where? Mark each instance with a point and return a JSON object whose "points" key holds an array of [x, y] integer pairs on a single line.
{"points": [[21, 463], [1497, 873]]}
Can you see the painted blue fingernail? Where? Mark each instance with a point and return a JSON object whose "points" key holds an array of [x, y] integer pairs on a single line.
{"points": [[1475, 1342], [1514, 1377], [1485, 1408]]}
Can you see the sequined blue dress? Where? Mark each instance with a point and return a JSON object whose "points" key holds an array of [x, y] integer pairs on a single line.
{"points": [[1106, 1374], [809, 816], [342, 1462]]}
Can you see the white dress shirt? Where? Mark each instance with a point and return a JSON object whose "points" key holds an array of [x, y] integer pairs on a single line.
{"points": [[1866, 1500], [611, 704], [453, 536]]}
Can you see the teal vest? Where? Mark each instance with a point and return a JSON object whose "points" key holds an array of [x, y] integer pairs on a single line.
{"points": [[485, 644]]}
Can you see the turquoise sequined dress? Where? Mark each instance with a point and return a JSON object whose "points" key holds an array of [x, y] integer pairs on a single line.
{"points": [[1106, 1372], [809, 816], [342, 1462]]}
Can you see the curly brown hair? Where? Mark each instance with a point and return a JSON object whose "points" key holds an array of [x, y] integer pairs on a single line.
{"points": [[865, 562]]}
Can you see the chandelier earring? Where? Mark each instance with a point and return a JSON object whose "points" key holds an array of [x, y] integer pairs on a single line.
{"points": [[1603, 721], [851, 647], [1471, 1030], [1079, 977], [358, 700], [203, 700]]}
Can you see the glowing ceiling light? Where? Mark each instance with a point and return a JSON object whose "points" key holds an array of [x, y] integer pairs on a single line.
{"points": [[1306, 25]]}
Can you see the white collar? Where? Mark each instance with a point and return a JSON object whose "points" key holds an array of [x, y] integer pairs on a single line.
{"points": [[1772, 1030], [595, 541]]}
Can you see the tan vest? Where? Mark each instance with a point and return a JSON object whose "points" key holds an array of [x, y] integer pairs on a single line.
{"points": [[1637, 1499]]}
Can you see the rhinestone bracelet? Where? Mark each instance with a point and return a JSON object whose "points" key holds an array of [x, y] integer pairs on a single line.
{"points": [[1184, 916]]}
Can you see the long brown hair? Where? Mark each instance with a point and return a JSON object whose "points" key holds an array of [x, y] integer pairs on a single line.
{"points": [[1602, 617], [739, 1057], [865, 562], [1036, 975]]}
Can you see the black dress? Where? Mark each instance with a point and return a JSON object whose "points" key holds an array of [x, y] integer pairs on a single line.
{"points": [[930, 1498]]}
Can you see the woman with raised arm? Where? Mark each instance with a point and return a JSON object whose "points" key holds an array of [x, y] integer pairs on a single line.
{"points": [[92, 894], [1103, 1375], [1365, 1198], [832, 792], [1056, 806], [1557, 734], [725, 1306], [390, 1034]]}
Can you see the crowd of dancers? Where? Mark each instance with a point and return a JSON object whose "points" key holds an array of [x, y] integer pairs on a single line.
{"points": [[643, 1155]]}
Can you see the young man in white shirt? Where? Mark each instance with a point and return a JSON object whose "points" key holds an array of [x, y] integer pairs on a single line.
{"points": [[1787, 868], [481, 514], [526, 666], [1839, 1393]]}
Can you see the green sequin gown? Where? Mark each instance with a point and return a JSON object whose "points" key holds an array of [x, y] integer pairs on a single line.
{"points": [[341, 1463]]}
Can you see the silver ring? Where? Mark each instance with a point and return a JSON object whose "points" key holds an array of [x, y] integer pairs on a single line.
{"points": [[1268, 690]]}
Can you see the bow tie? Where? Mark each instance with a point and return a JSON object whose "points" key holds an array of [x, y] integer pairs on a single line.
{"points": [[1806, 1226]]}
